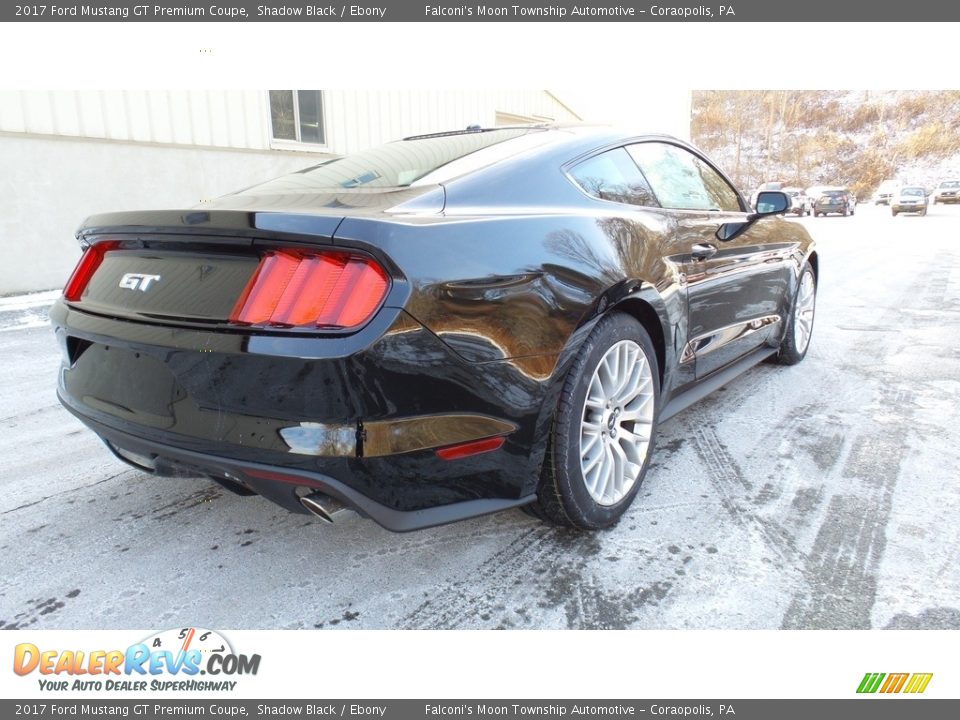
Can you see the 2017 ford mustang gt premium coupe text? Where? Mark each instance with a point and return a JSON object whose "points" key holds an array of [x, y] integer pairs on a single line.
{"points": [[439, 328]]}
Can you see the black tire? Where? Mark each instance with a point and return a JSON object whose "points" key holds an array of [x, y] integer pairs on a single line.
{"points": [[923, 213], [893, 212], [789, 353], [562, 496]]}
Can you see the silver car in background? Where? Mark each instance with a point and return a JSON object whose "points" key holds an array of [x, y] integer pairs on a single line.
{"points": [[909, 199]]}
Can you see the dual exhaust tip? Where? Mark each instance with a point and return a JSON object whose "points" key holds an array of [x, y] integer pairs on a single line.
{"points": [[322, 505]]}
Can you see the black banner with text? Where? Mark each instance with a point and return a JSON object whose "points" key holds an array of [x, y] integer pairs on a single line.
{"points": [[421, 11], [873, 709]]}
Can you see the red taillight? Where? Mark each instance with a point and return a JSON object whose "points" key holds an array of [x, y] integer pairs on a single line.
{"points": [[474, 447], [89, 262], [330, 289]]}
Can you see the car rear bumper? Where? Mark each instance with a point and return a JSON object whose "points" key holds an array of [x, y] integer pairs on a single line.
{"points": [[358, 418], [831, 208], [285, 485]]}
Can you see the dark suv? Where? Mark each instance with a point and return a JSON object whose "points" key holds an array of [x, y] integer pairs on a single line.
{"points": [[833, 200]]}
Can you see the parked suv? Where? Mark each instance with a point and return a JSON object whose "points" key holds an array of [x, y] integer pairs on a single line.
{"points": [[947, 192], [799, 202], [885, 192], [833, 200]]}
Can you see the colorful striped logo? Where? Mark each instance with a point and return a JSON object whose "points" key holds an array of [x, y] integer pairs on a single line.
{"points": [[894, 682]]}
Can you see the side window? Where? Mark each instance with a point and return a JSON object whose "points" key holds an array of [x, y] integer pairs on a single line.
{"points": [[614, 176], [681, 180]]}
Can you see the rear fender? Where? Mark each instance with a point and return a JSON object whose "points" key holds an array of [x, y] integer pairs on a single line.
{"points": [[634, 297]]}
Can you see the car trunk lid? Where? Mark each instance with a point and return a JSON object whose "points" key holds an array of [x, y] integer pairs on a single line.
{"points": [[198, 265], [187, 285]]}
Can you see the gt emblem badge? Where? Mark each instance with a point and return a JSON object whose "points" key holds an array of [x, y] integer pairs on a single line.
{"points": [[137, 281]]}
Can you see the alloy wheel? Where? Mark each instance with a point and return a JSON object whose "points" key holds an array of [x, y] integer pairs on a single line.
{"points": [[803, 312], [616, 423]]}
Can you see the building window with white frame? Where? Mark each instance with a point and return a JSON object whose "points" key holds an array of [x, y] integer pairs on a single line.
{"points": [[297, 116]]}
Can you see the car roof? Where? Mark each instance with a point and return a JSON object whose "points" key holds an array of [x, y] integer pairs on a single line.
{"points": [[534, 176], [496, 184], [576, 140]]}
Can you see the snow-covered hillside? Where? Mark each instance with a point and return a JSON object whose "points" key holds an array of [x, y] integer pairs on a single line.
{"points": [[811, 137]]}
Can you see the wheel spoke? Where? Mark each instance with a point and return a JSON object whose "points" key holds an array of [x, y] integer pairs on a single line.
{"points": [[640, 408], [608, 375], [639, 441], [623, 373], [631, 466], [592, 479], [603, 473], [590, 461], [618, 463], [593, 424], [596, 398], [588, 442], [634, 381]]}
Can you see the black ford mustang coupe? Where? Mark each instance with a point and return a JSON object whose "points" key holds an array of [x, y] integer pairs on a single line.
{"points": [[442, 327]]}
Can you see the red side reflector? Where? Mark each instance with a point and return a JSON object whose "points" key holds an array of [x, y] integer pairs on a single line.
{"points": [[86, 267], [474, 447], [324, 289]]}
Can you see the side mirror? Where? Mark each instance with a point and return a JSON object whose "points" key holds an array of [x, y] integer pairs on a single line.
{"points": [[771, 202]]}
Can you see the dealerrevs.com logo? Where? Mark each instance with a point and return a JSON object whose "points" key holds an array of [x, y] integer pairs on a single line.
{"points": [[910, 683], [169, 660]]}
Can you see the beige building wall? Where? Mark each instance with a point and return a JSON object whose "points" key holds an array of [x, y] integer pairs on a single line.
{"points": [[65, 155]]}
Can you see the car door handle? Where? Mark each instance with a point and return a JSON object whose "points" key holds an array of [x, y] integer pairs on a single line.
{"points": [[701, 251]]}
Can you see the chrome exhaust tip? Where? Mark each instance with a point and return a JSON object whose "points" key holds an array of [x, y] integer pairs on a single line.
{"points": [[323, 506]]}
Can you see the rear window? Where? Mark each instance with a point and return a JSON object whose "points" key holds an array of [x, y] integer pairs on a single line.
{"points": [[834, 193], [396, 164]]}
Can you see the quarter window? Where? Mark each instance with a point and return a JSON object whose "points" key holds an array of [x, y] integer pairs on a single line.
{"points": [[297, 115], [681, 180], [614, 176]]}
